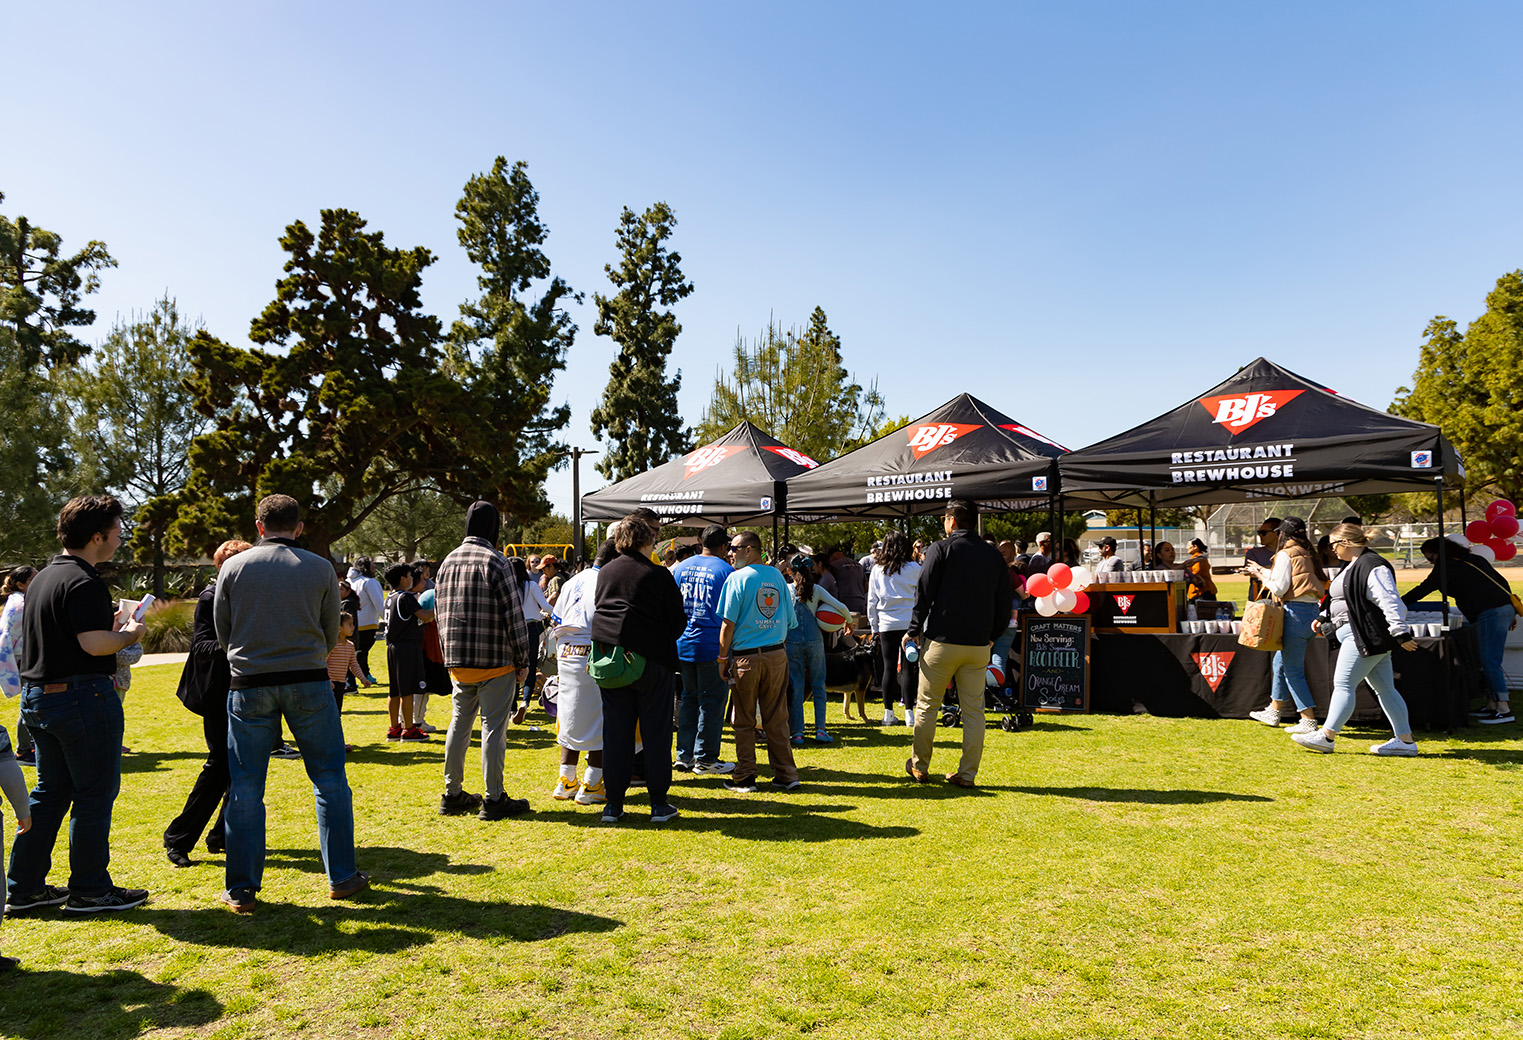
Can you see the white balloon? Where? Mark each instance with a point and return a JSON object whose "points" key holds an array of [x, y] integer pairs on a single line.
{"points": [[1082, 579], [1045, 605], [1484, 551], [1065, 600]]}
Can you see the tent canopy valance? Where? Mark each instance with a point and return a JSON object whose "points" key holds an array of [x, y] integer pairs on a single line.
{"points": [[1264, 433], [964, 449], [737, 479]]}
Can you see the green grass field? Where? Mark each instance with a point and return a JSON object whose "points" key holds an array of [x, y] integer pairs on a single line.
{"points": [[1116, 877]]}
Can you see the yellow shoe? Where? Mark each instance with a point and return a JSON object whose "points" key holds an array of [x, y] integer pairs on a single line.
{"points": [[594, 795], [565, 789]]}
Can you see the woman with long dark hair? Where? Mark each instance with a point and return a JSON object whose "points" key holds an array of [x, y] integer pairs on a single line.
{"points": [[536, 611], [1297, 582], [805, 645], [890, 601], [1369, 621], [1485, 599], [12, 599]]}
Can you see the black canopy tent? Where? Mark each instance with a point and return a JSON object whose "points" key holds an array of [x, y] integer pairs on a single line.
{"points": [[737, 479], [1264, 433], [964, 449]]}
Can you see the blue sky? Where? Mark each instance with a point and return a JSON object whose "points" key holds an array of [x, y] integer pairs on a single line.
{"points": [[1082, 213]]}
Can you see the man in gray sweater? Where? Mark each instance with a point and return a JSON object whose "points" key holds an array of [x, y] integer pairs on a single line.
{"points": [[276, 612]]}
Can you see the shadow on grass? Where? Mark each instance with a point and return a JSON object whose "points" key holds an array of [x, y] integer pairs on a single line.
{"points": [[754, 817], [157, 761], [1490, 756], [111, 1006], [401, 911], [1139, 795]]}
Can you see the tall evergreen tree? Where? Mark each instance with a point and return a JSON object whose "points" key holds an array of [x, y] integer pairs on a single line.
{"points": [[41, 291], [797, 388], [510, 342], [639, 407]]}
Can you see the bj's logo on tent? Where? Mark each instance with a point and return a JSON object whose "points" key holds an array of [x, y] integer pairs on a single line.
{"points": [[1213, 667], [1125, 603], [1240, 412], [712, 455], [928, 438], [798, 458]]}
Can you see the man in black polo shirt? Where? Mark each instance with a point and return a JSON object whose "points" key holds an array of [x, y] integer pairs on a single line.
{"points": [[962, 605], [69, 703]]}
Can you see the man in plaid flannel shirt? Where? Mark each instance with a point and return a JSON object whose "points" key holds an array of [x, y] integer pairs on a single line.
{"points": [[479, 608]]}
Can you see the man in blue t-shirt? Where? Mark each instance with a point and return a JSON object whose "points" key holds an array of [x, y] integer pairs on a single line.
{"points": [[700, 718], [758, 612]]}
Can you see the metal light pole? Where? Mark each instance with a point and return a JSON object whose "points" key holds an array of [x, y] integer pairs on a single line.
{"points": [[578, 535]]}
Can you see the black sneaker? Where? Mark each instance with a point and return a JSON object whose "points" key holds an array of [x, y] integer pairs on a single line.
{"points": [[117, 898], [662, 813], [27, 757], [239, 900], [503, 807], [458, 803], [612, 815], [285, 751], [51, 895], [1497, 718], [741, 784], [784, 785]]}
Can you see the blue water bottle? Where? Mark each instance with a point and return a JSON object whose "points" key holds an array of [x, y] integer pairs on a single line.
{"points": [[911, 651]]}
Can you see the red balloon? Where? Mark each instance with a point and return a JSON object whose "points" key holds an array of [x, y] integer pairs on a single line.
{"points": [[1496, 545], [1082, 604], [1505, 551], [1501, 507], [1060, 574], [1039, 585], [1504, 526], [1478, 530]]}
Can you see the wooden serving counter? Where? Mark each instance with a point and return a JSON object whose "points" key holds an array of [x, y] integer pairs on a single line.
{"points": [[1148, 606]]}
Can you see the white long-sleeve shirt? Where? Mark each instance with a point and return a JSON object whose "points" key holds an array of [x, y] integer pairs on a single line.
{"points": [[891, 597], [1380, 589], [372, 599], [535, 603]]}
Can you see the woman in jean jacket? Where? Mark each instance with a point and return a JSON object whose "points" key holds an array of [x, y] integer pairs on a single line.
{"points": [[1369, 621], [806, 647]]}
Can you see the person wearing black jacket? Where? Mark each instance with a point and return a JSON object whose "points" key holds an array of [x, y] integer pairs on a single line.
{"points": [[962, 606], [204, 684], [638, 606], [1485, 599]]}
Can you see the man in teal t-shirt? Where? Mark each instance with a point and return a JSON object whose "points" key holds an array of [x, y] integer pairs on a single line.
{"points": [[757, 613]]}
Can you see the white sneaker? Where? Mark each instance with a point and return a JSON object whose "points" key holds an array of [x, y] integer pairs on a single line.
{"points": [[1304, 726], [1316, 741], [594, 795], [428, 728], [1395, 747], [565, 789], [890, 719], [714, 767], [1268, 716], [909, 718]]}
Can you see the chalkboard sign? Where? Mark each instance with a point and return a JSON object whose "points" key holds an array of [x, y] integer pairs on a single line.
{"points": [[1054, 663]]}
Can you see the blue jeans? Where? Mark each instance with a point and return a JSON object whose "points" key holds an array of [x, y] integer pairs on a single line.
{"points": [[1491, 640], [253, 730], [999, 654], [78, 736], [1288, 670], [1350, 668], [806, 670], [700, 717]]}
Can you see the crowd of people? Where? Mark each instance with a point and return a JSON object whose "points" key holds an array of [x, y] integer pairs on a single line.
{"points": [[647, 655]]}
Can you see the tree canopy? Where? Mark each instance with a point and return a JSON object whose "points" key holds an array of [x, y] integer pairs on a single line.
{"points": [[639, 407], [796, 387], [1471, 384]]}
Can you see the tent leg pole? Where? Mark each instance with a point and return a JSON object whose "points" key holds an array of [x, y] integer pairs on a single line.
{"points": [[1443, 571]]}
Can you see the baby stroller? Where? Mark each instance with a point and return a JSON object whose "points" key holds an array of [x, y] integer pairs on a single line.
{"points": [[1001, 698]]}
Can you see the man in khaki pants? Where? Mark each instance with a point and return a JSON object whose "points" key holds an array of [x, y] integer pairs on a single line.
{"points": [[961, 607]]}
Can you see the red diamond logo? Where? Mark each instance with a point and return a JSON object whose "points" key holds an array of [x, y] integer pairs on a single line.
{"points": [[798, 458], [925, 439], [712, 455], [1125, 603], [1213, 667], [1238, 412]]}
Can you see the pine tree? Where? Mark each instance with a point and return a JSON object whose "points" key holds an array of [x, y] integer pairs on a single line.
{"points": [[639, 407]]}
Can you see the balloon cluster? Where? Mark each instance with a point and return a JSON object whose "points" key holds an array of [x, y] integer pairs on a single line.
{"points": [[1060, 590], [1492, 538]]}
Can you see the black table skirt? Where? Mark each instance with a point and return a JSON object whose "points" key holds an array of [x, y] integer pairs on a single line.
{"points": [[1161, 675]]}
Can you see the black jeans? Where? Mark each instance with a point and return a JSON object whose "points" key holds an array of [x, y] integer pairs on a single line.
{"points": [[364, 639], [209, 793], [648, 702], [901, 685]]}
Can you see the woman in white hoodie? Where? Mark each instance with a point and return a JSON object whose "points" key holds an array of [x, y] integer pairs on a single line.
{"points": [[890, 600]]}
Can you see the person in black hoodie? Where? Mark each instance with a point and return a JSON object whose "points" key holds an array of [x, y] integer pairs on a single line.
{"points": [[638, 606], [204, 685], [1366, 618], [1485, 599]]}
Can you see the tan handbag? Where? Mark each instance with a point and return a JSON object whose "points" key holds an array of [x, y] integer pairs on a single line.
{"points": [[1263, 626]]}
